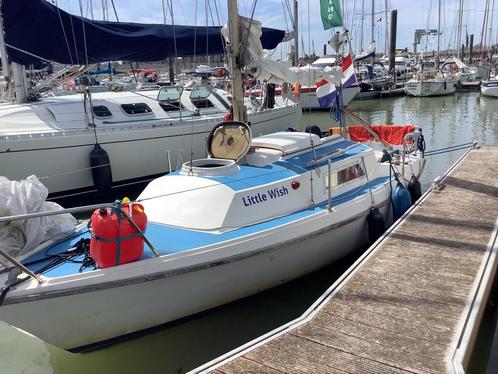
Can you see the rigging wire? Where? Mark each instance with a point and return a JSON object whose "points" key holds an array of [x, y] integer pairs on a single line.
{"points": [[164, 12], [191, 160], [170, 3], [248, 31], [285, 18], [74, 40], [84, 33], [114, 8], [63, 32], [91, 8]]}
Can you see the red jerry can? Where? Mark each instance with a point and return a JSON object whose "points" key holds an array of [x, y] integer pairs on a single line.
{"points": [[114, 239]]}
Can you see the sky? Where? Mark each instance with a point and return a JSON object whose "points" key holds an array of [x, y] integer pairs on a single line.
{"points": [[412, 14]]}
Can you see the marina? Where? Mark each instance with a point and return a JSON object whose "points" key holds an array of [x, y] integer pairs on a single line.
{"points": [[464, 116], [176, 197]]}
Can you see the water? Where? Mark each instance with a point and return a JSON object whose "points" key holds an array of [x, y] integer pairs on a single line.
{"points": [[446, 121]]}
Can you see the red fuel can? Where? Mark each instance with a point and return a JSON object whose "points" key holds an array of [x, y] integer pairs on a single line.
{"points": [[114, 239]]}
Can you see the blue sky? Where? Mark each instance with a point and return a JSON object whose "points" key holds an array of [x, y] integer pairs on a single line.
{"points": [[412, 14]]}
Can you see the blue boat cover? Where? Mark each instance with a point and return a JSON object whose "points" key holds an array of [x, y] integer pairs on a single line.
{"points": [[40, 28]]}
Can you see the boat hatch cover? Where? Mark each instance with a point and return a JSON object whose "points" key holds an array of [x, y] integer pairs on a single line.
{"points": [[229, 140]]}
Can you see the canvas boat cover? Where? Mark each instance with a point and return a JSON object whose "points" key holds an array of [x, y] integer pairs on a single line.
{"points": [[42, 29]]}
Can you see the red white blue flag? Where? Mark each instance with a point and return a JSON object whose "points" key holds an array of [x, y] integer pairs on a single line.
{"points": [[348, 70], [326, 91]]}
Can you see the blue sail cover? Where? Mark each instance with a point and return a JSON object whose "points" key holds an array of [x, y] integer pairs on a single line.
{"points": [[44, 30]]}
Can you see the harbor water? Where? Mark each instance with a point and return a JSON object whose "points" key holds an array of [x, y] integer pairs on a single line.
{"points": [[446, 121]]}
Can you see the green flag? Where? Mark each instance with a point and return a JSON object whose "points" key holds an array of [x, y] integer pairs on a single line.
{"points": [[331, 13]]}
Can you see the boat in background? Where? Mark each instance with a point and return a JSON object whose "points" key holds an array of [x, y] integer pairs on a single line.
{"points": [[304, 89], [145, 133], [431, 81], [306, 94], [403, 69], [490, 87], [79, 144]]}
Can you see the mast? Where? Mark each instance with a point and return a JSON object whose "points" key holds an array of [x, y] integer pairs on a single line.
{"points": [[3, 50], [239, 113], [373, 21], [296, 34], [491, 27], [459, 28], [362, 21], [438, 26]]}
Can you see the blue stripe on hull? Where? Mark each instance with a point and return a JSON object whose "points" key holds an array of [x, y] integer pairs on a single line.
{"points": [[167, 239], [253, 176]]}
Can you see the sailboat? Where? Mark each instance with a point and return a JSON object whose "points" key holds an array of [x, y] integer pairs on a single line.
{"points": [[316, 71], [135, 135], [430, 79], [258, 212], [489, 87]]}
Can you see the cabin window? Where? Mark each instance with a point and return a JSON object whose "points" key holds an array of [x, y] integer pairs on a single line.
{"points": [[199, 97], [202, 103], [169, 98], [170, 94], [136, 108], [345, 175], [101, 111], [200, 92], [171, 106]]}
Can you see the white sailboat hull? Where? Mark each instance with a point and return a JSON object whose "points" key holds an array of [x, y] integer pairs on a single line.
{"points": [[489, 88], [135, 151], [308, 99], [204, 280], [430, 88]]}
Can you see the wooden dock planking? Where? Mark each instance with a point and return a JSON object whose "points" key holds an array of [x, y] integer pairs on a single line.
{"points": [[401, 310]]}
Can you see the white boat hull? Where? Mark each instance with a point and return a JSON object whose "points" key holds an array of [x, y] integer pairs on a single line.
{"points": [[205, 280], [489, 88], [62, 159], [308, 99], [430, 88]]}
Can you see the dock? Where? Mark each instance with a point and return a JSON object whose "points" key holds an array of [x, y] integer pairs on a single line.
{"points": [[411, 303]]}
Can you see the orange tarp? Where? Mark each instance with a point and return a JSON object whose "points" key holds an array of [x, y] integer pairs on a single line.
{"points": [[390, 134]]}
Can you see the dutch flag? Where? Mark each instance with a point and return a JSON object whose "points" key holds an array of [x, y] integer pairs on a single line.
{"points": [[348, 70], [326, 92]]}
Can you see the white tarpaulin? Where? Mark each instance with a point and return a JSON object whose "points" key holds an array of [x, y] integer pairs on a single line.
{"points": [[28, 196]]}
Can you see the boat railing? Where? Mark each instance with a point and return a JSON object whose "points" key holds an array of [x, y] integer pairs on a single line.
{"points": [[79, 209], [333, 154], [329, 187]]}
